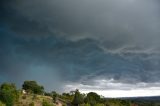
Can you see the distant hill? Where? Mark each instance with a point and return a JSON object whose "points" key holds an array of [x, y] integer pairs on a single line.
{"points": [[144, 101], [148, 98]]}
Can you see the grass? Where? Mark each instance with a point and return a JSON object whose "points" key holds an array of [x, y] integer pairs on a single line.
{"points": [[33, 100]]}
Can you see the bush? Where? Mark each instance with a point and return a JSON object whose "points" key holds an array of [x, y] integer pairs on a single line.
{"points": [[85, 104], [31, 104], [2, 104], [34, 97], [45, 103], [117, 102], [24, 97], [8, 94], [99, 104]]}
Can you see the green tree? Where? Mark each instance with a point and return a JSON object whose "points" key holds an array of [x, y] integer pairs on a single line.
{"points": [[92, 98], [78, 98], [67, 97], [54, 95], [8, 94], [33, 87]]}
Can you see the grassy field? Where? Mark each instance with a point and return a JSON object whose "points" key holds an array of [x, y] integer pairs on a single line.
{"points": [[33, 100]]}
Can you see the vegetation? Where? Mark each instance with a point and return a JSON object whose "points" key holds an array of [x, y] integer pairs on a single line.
{"points": [[33, 87], [2, 104], [78, 98], [8, 94], [46, 103], [118, 102], [92, 98], [31, 104], [35, 96]]}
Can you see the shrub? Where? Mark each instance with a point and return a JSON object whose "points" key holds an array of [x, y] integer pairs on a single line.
{"points": [[8, 94], [2, 104], [45, 103], [24, 97], [31, 104]]}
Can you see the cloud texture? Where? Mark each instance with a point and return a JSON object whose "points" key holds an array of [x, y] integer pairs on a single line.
{"points": [[63, 42]]}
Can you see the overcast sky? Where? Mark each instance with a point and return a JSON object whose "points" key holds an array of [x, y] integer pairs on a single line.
{"points": [[111, 47]]}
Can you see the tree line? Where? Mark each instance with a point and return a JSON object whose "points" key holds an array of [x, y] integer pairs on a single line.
{"points": [[9, 96]]}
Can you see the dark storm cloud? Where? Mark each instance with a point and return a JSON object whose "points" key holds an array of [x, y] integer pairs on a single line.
{"points": [[116, 24], [79, 41]]}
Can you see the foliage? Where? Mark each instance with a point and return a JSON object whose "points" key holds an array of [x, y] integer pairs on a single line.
{"points": [[24, 97], [32, 86], [54, 95], [45, 103], [99, 104], [85, 104], [2, 104], [67, 97], [8, 94], [92, 98], [31, 104], [34, 97], [47, 94], [118, 102], [78, 98]]}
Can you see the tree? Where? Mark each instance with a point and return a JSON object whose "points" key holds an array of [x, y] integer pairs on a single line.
{"points": [[54, 95], [92, 98], [33, 87], [78, 98], [8, 94]]}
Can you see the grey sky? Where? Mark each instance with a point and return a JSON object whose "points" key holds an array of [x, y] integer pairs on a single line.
{"points": [[78, 42]]}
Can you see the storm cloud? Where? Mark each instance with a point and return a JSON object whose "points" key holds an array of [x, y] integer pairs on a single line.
{"points": [[63, 43]]}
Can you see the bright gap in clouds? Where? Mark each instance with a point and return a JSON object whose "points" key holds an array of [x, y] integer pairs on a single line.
{"points": [[126, 93], [113, 89]]}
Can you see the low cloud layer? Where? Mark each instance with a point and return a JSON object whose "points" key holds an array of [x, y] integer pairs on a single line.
{"points": [[129, 24], [61, 43]]}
